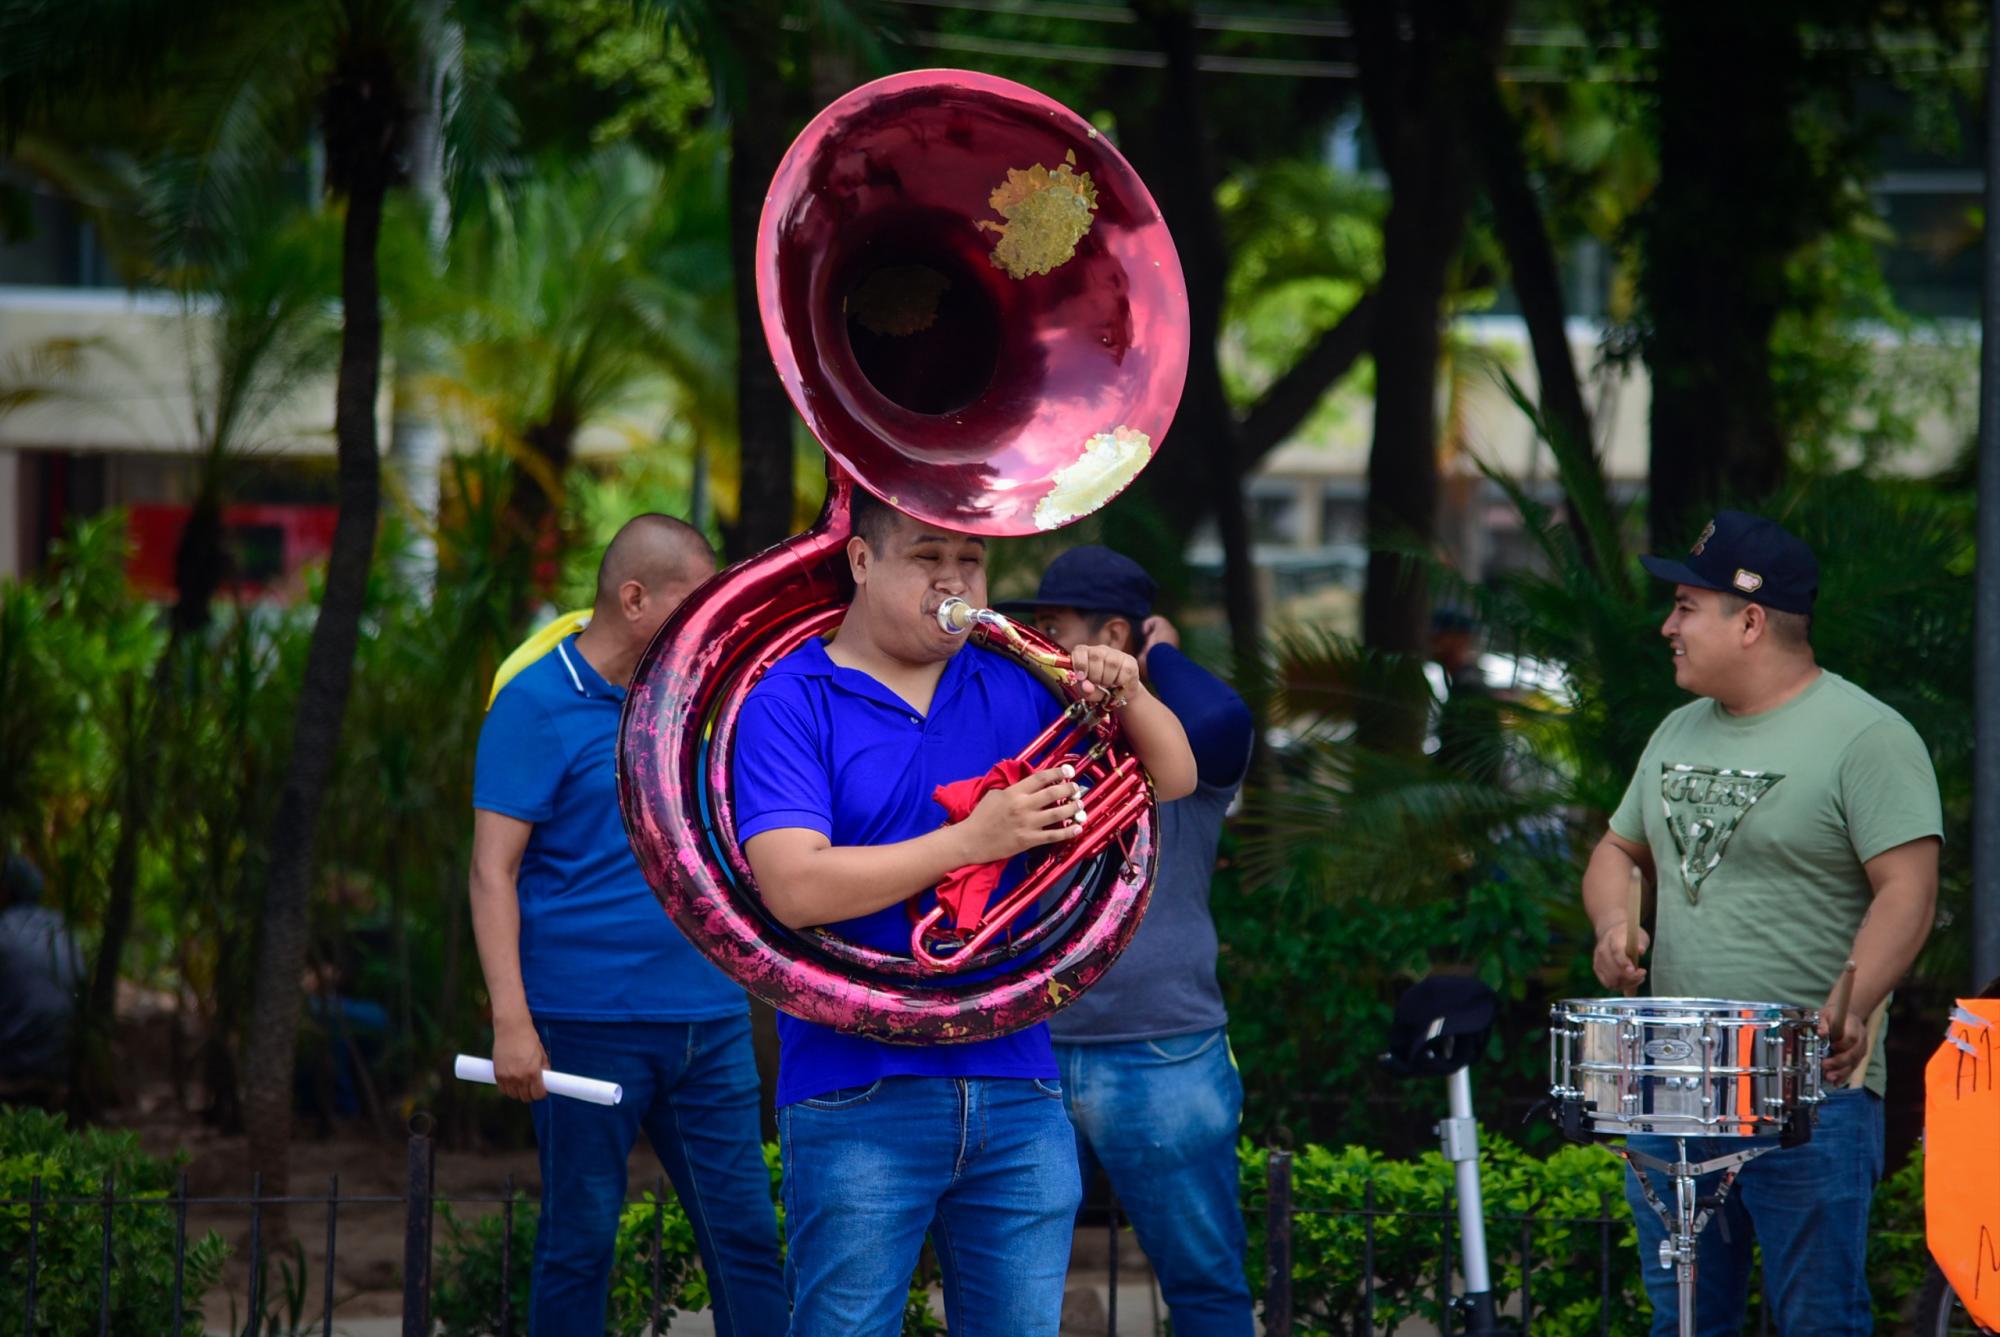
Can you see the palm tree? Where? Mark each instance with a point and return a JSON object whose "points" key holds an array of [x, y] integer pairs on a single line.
{"points": [[744, 44], [250, 83], [574, 297], [256, 320]]}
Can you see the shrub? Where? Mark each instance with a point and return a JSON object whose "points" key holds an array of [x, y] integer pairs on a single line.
{"points": [[1575, 1197], [469, 1287], [1567, 1193], [69, 1239], [1899, 1258]]}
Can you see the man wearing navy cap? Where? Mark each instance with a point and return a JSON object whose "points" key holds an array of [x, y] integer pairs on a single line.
{"points": [[1787, 822], [1148, 1078]]}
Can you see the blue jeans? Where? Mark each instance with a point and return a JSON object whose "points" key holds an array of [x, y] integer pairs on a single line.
{"points": [[692, 1086], [1807, 1205], [1161, 1117], [985, 1164]]}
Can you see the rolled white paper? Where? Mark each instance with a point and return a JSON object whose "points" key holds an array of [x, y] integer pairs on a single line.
{"points": [[470, 1069]]}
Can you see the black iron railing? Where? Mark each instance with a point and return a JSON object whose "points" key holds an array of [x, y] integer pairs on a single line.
{"points": [[420, 1202]]}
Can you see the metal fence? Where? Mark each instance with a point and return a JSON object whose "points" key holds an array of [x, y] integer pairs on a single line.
{"points": [[420, 1202]]}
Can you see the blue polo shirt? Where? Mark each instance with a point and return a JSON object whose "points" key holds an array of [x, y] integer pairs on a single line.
{"points": [[595, 944], [832, 750]]}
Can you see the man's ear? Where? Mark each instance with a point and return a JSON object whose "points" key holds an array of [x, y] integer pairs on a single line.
{"points": [[859, 557], [632, 600], [1120, 634], [1756, 623]]}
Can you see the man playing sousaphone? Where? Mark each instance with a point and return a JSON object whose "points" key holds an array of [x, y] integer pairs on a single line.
{"points": [[1789, 822], [839, 750]]}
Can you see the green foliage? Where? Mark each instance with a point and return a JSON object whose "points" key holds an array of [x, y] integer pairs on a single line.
{"points": [[1312, 980], [1305, 242], [467, 1301], [76, 646], [1853, 375], [590, 73], [285, 1305], [69, 1237], [1576, 1196], [76, 655], [587, 297], [1899, 1259], [1580, 1220]]}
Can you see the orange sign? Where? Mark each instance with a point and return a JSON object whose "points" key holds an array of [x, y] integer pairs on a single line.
{"points": [[1962, 1157]]}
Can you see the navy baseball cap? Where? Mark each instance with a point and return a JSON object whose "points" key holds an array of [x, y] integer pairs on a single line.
{"points": [[1750, 557], [1092, 579]]}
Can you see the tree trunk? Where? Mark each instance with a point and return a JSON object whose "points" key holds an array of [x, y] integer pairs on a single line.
{"points": [[272, 1044], [1415, 62], [1736, 197], [1531, 259], [1205, 459], [1406, 92], [200, 562], [763, 413]]}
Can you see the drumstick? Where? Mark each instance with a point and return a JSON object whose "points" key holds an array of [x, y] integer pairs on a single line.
{"points": [[1836, 1005], [1635, 910], [1860, 1073]]}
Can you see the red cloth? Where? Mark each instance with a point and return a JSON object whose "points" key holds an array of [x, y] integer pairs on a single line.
{"points": [[964, 892]]}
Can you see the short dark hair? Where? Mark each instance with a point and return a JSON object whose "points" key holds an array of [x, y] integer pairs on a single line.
{"points": [[873, 518], [1791, 630], [1098, 621]]}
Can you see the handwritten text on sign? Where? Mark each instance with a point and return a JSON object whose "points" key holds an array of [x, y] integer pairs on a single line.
{"points": [[1962, 1156]]}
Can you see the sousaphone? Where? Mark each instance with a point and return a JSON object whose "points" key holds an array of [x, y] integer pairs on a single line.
{"points": [[975, 306]]}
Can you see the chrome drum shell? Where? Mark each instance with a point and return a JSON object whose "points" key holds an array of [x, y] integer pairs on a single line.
{"points": [[1685, 1067]]}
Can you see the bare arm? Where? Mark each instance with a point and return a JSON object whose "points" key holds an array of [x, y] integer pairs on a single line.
{"points": [[806, 879], [498, 843], [1606, 899], [1154, 732], [1905, 882]]}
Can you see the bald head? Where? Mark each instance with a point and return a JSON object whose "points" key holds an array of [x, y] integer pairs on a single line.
{"points": [[657, 551]]}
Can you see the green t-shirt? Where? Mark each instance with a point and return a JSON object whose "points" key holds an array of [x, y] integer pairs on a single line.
{"points": [[1759, 826]]}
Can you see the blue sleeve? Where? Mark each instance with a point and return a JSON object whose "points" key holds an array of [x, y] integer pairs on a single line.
{"points": [[520, 760], [779, 775], [1218, 724]]}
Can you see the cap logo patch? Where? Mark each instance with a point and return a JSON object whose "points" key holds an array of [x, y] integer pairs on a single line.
{"points": [[1706, 535], [1747, 581]]}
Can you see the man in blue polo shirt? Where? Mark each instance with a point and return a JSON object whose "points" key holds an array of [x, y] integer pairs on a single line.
{"points": [[1147, 1074], [838, 751], [588, 975]]}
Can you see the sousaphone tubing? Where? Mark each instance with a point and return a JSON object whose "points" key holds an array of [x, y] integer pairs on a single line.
{"points": [[975, 306]]}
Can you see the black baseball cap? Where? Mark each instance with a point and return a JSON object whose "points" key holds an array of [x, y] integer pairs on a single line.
{"points": [[1750, 557], [1092, 579]]}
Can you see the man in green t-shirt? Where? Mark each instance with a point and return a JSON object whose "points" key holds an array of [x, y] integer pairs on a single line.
{"points": [[1786, 823]]}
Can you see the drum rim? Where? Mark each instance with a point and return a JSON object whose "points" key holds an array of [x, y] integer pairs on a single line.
{"points": [[1636, 1008]]}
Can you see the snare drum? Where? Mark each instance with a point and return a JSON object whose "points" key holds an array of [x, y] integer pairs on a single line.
{"points": [[1685, 1067]]}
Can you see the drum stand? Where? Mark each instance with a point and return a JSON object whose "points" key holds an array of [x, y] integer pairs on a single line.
{"points": [[1459, 1140], [1689, 1214], [1440, 1028]]}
